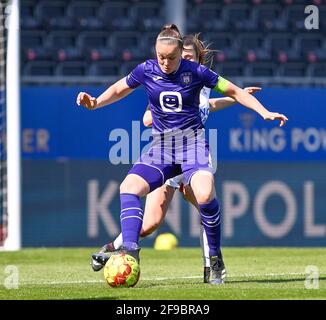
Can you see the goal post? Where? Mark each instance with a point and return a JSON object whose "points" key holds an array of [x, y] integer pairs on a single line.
{"points": [[11, 86]]}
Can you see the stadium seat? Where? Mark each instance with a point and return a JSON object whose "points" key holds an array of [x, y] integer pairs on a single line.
{"points": [[220, 40], [27, 8], [147, 44], [71, 68], [207, 12], [249, 40], [92, 39], [245, 25], [266, 14], [292, 69], [292, 2], [69, 54], [217, 25], [148, 16], [116, 15], [278, 41], [228, 2], [99, 54], [236, 12], [263, 55], [262, 2], [61, 39], [200, 2], [317, 70], [143, 10], [48, 9], [104, 68], [127, 67], [32, 38], [227, 54], [39, 68], [60, 23], [320, 55], [160, 2], [260, 69], [230, 69], [245, 34], [37, 53], [295, 16], [82, 9], [322, 13], [122, 40], [306, 41], [30, 23], [287, 55]]}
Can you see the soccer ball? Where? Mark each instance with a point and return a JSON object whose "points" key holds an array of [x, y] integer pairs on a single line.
{"points": [[121, 270], [166, 241]]}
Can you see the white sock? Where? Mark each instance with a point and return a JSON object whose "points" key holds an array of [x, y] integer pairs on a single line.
{"points": [[117, 243], [204, 246]]}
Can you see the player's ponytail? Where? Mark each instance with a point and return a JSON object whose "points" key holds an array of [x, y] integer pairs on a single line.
{"points": [[171, 26], [170, 34]]}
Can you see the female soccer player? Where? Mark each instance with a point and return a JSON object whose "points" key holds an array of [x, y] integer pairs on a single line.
{"points": [[157, 202], [173, 86]]}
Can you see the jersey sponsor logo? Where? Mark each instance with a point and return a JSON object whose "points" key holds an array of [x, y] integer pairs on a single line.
{"points": [[171, 101], [186, 78]]}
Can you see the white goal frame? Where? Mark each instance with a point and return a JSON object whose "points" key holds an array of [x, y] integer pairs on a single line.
{"points": [[13, 240]]}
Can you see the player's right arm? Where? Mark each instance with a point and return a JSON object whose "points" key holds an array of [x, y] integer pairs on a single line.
{"points": [[114, 93]]}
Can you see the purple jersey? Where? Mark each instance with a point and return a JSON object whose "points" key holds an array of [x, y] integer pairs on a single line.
{"points": [[174, 98]]}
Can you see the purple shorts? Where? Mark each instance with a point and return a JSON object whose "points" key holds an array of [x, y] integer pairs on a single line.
{"points": [[167, 158]]}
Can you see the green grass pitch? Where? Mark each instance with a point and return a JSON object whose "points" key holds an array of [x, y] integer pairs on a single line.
{"points": [[253, 273]]}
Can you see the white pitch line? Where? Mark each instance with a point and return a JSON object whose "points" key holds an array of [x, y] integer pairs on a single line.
{"points": [[250, 275]]}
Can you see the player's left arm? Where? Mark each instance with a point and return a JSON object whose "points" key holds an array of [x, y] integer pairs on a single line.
{"points": [[217, 104], [229, 89]]}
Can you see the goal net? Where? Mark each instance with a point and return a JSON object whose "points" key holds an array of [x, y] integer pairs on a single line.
{"points": [[3, 127]]}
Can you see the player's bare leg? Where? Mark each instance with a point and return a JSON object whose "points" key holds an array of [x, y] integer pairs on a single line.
{"points": [[157, 203]]}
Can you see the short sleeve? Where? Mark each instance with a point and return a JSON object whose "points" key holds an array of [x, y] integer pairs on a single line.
{"points": [[209, 77], [136, 77]]}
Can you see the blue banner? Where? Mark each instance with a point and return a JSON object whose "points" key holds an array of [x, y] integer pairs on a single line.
{"points": [[76, 203], [271, 181], [54, 126]]}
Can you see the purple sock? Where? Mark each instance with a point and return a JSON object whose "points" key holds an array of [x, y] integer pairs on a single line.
{"points": [[210, 217], [131, 219]]}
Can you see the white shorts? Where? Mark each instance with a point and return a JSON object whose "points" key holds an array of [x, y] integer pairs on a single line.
{"points": [[176, 181]]}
